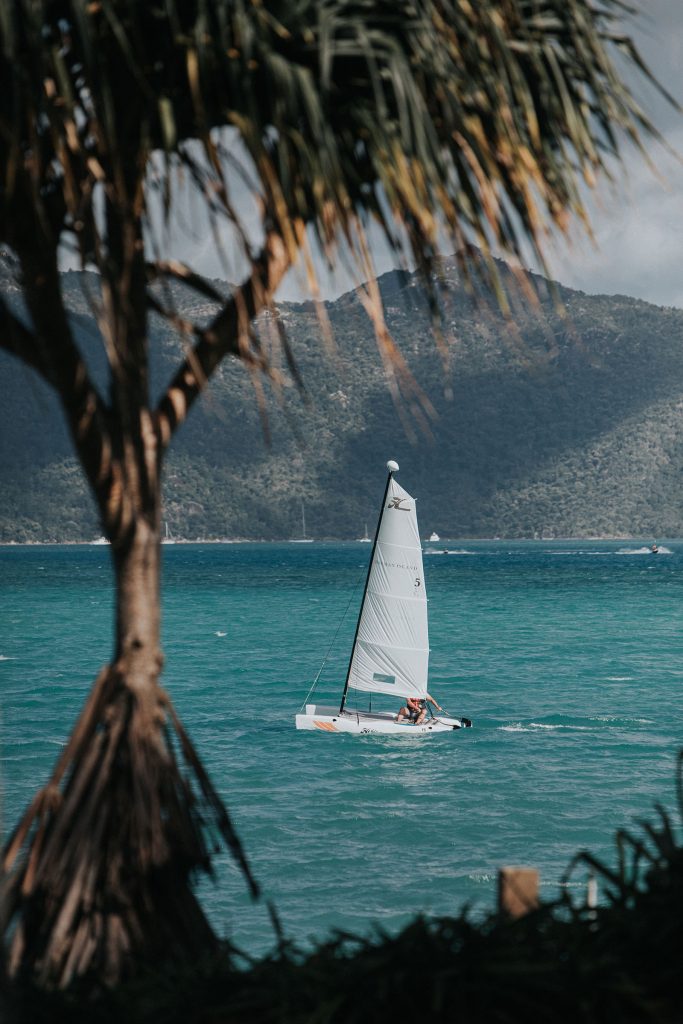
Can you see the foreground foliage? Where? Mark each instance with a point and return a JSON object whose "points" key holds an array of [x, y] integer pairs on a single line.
{"points": [[562, 962]]}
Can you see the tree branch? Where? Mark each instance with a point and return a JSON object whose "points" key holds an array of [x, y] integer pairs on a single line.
{"points": [[16, 338], [61, 366], [163, 269], [227, 334], [51, 350]]}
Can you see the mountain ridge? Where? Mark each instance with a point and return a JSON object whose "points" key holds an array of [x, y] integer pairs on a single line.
{"points": [[547, 423]]}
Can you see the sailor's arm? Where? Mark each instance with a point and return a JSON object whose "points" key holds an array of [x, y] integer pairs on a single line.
{"points": [[432, 701]]}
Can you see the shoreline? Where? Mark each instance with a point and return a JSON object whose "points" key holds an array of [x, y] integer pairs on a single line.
{"points": [[621, 538]]}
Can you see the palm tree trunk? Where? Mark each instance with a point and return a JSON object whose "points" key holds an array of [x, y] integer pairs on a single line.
{"points": [[97, 876], [137, 568], [128, 817]]}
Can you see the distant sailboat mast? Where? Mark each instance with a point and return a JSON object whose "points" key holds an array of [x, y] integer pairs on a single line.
{"points": [[303, 539], [393, 468]]}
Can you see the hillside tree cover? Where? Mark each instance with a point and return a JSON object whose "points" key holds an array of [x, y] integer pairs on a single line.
{"points": [[430, 118], [571, 431]]}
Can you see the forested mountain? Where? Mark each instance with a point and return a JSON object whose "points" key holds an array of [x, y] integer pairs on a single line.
{"points": [[544, 424]]}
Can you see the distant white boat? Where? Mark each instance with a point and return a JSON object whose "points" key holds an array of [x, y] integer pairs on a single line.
{"points": [[390, 652], [167, 538], [434, 537], [366, 538], [303, 539], [100, 540]]}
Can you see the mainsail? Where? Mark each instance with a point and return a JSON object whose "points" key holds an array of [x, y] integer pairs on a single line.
{"points": [[391, 652]]}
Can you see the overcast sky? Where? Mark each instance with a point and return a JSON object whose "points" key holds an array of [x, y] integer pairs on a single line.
{"points": [[638, 225], [637, 222]]}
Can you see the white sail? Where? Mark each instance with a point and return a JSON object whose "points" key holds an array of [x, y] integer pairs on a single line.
{"points": [[391, 653]]}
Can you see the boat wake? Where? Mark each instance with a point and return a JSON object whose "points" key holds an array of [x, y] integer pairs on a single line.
{"points": [[539, 726], [582, 725], [644, 551], [446, 551]]}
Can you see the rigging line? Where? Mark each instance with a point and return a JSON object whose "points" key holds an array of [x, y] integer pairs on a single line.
{"points": [[332, 642], [445, 714], [441, 712]]}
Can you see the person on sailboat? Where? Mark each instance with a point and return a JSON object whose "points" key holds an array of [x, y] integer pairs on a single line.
{"points": [[415, 709]]}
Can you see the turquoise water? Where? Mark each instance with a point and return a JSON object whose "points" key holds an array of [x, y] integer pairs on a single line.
{"points": [[568, 656]]}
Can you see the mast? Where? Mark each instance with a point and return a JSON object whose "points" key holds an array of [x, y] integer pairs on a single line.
{"points": [[393, 468]]}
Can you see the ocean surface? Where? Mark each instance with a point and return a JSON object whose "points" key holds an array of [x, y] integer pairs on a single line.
{"points": [[567, 656]]}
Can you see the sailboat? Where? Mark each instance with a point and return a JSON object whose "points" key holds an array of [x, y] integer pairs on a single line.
{"points": [[167, 538], [390, 652], [303, 539], [366, 538]]}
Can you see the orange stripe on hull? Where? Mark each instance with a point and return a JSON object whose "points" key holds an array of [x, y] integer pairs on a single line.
{"points": [[326, 725]]}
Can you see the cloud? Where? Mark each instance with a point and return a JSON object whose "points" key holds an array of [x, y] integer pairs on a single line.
{"points": [[637, 229], [638, 223], [637, 220]]}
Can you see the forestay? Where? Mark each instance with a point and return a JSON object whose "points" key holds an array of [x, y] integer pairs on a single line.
{"points": [[391, 653]]}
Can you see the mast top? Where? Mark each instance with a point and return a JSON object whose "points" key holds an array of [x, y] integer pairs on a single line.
{"points": [[392, 466]]}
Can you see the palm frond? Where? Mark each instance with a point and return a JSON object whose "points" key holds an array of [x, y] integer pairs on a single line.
{"points": [[483, 119]]}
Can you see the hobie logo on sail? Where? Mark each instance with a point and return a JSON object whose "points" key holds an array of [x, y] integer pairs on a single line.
{"points": [[396, 503]]}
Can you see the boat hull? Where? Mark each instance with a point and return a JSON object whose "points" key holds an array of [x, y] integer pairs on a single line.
{"points": [[318, 718]]}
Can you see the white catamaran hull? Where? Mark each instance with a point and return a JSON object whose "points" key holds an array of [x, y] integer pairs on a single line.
{"points": [[328, 719]]}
